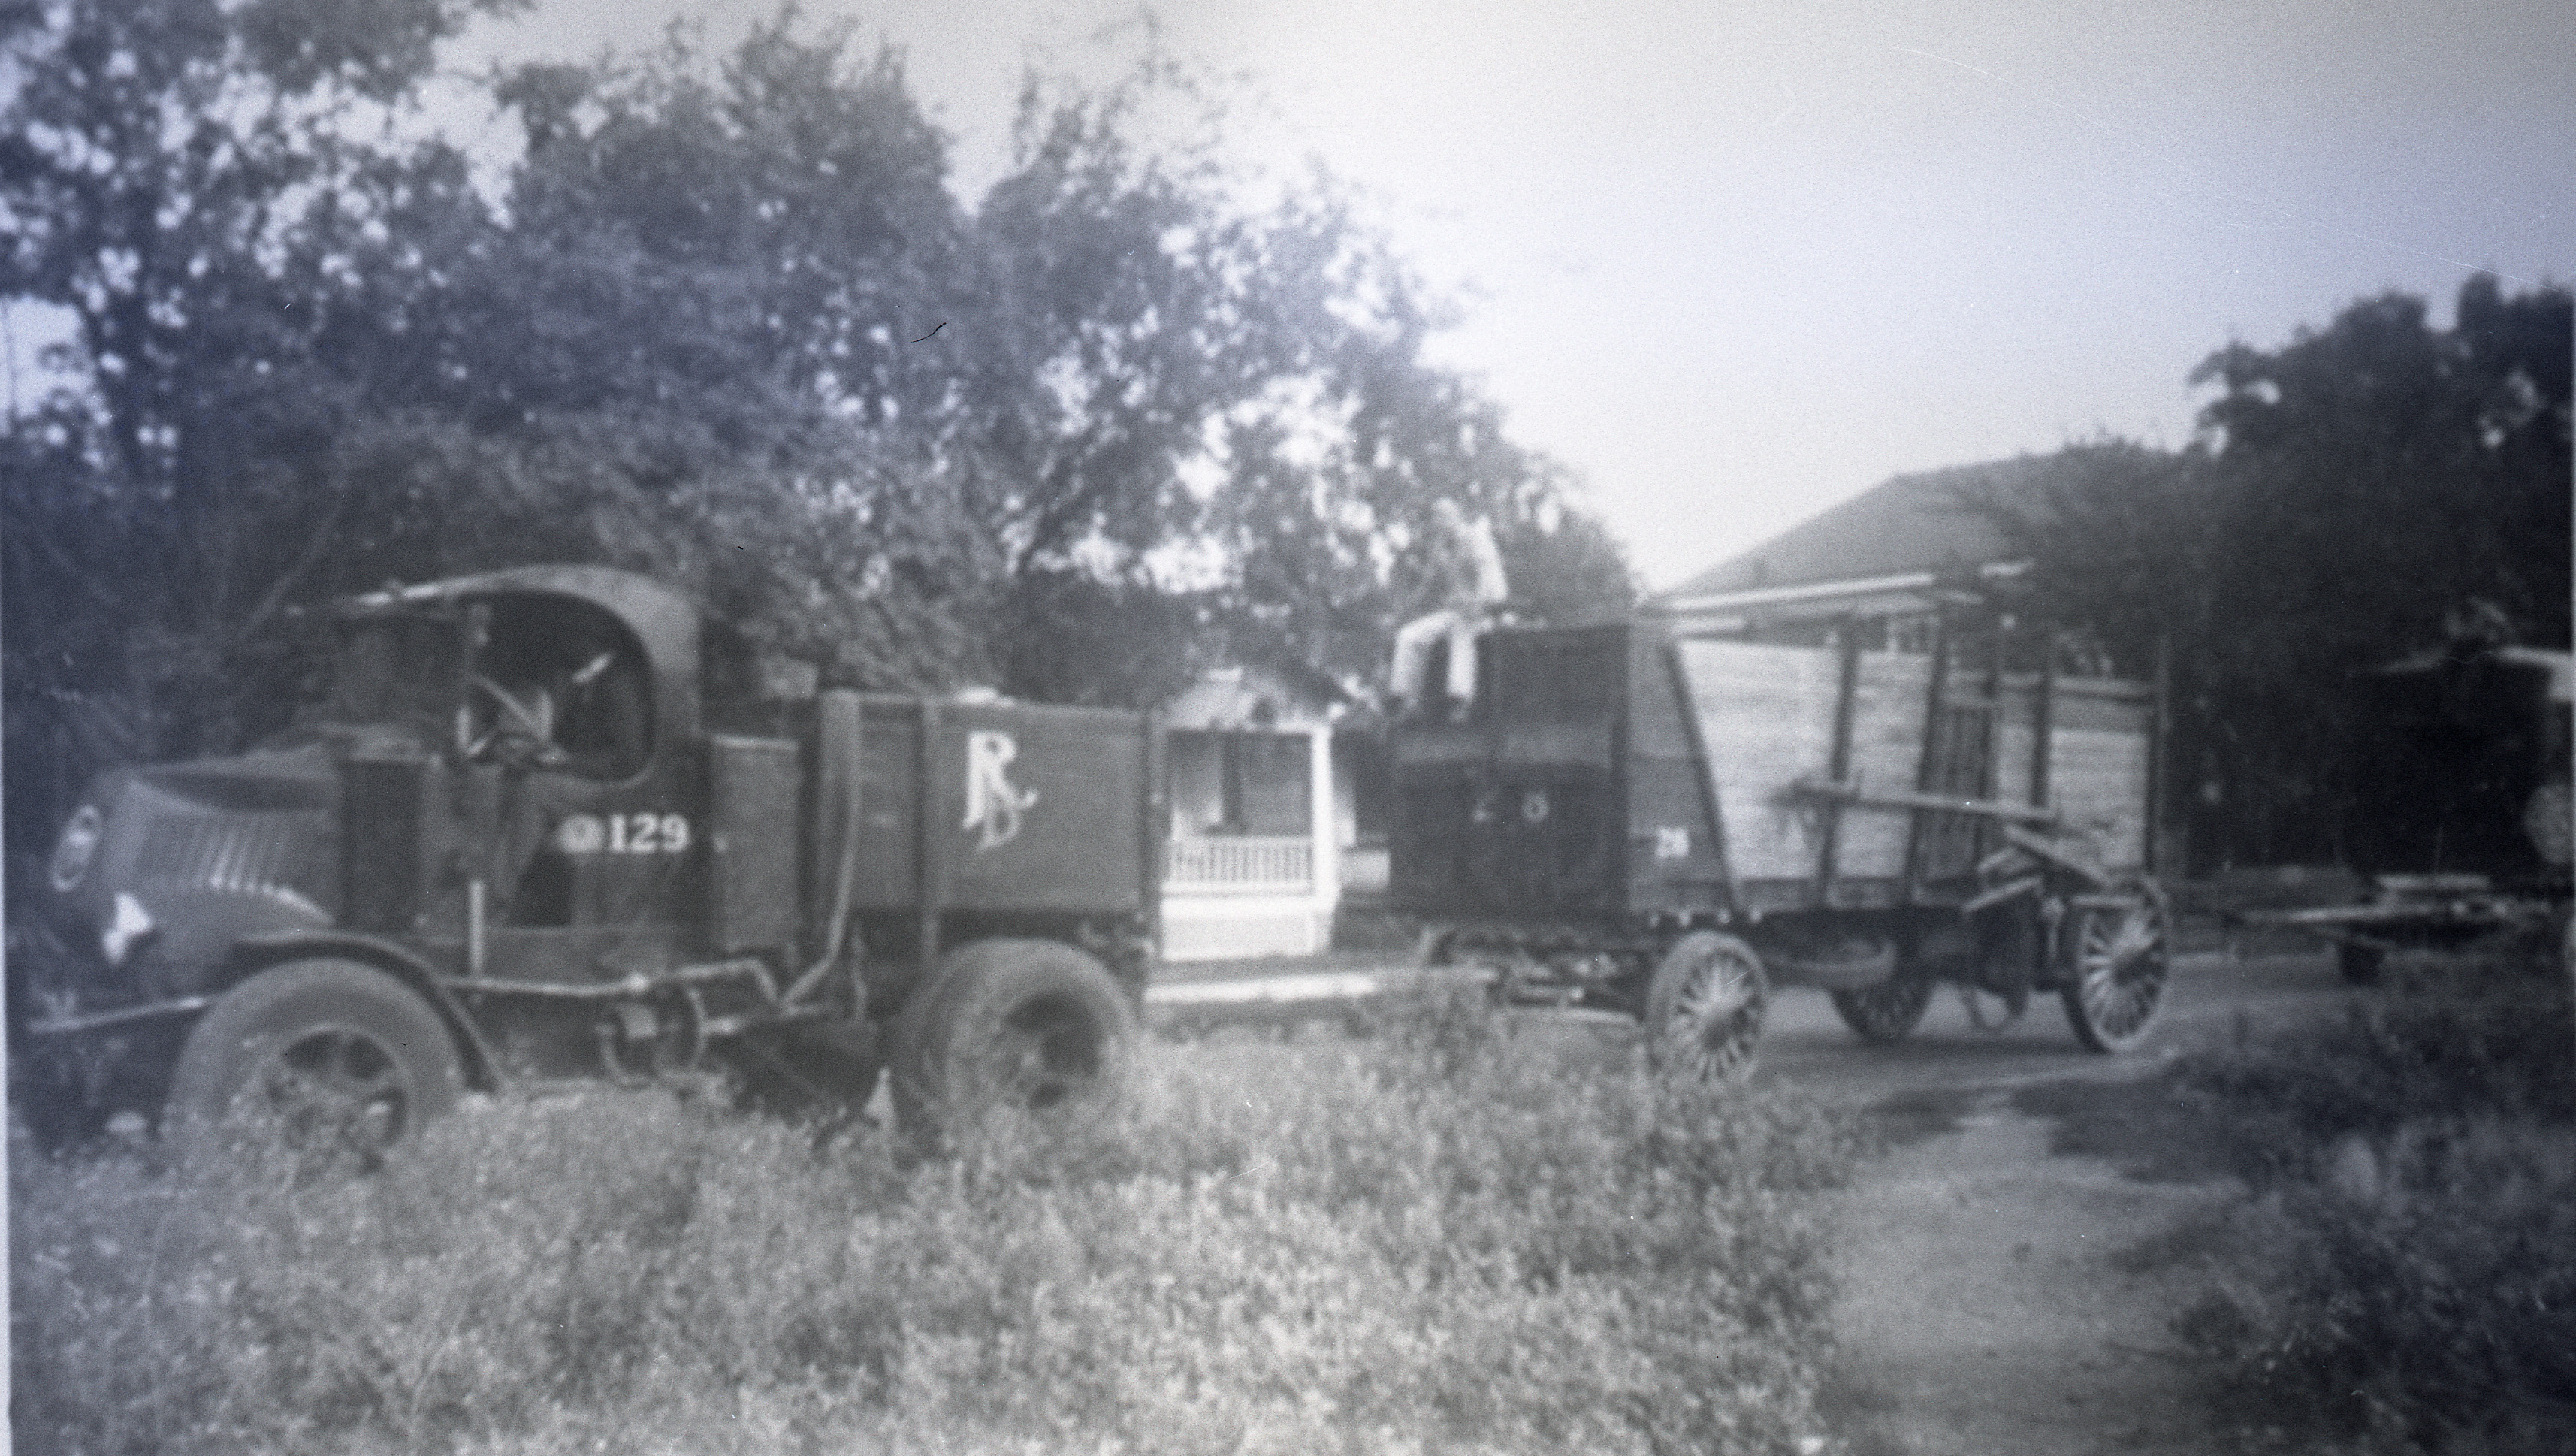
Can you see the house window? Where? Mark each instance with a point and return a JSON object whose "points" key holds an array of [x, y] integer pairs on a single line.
{"points": [[1267, 784], [1248, 783]]}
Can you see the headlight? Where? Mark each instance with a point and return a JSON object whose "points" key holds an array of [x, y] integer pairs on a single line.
{"points": [[77, 847]]}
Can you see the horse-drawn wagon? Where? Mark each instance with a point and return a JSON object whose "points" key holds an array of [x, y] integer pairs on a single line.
{"points": [[1671, 827]]}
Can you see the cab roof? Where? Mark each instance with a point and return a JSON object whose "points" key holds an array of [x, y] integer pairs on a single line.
{"points": [[663, 620]]}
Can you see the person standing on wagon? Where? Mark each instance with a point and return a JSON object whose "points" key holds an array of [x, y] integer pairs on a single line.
{"points": [[1467, 567]]}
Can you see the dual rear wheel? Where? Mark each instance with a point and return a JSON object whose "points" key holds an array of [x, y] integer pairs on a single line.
{"points": [[1016, 1028]]}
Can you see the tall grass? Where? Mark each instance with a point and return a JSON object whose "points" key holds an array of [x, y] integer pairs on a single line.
{"points": [[1422, 1240], [2405, 1279]]}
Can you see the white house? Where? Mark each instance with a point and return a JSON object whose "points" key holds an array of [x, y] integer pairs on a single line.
{"points": [[1258, 828]]}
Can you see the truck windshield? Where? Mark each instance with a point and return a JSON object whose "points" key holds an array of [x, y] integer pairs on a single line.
{"points": [[396, 669]]}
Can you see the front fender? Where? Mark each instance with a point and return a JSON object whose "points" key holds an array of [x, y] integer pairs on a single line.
{"points": [[255, 953]]}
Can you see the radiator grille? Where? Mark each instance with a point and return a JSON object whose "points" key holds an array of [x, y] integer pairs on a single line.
{"points": [[240, 852]]}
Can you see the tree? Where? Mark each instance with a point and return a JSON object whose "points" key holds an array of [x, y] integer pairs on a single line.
{"points": [[1330, 492], [725, 321], [2120, 536], [2376, 476], [182, 176], [2356, 487]]}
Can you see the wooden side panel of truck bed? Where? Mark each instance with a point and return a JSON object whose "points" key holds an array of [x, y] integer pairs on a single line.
{"points": [[1767, 717], [2100, 743]]}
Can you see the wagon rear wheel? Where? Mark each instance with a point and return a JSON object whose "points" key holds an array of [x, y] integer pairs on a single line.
{"points": [[1887, 1012], [2114, 960], [1705, 1005]]}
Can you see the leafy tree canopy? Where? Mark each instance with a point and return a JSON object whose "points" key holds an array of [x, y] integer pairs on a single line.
{"points": [[724, 318], [2357, 487]]}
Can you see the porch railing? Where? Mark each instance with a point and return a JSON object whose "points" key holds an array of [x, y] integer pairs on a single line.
{"points": [[1241, 865]]}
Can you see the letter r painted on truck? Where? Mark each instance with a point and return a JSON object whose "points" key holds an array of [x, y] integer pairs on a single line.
{"points": [[992, 805]]}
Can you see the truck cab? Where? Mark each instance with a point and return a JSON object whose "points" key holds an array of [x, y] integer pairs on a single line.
{"points": [[513, 837]]}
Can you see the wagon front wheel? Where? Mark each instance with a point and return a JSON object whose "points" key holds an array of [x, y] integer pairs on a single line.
{"points": [[2115, 956], [1704, 1007]]}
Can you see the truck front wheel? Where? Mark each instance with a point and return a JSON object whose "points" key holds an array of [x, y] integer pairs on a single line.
{"points": [[1035, 1026], [337, 1061]]}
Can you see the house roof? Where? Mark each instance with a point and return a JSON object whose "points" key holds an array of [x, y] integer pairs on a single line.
{"points": [[1910, 523], [1248, 697]]}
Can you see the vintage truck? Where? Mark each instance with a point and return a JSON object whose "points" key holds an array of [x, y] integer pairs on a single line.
{"points": [[2461, 820], [532, 828], [1668, 828]]}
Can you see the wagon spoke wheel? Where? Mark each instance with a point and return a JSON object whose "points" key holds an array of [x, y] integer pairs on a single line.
{"points": [[1887, 1011], [2115, 960], [1704, 1008]]}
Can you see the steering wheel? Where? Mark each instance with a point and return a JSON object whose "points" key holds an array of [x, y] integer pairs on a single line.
{"points": [[516, 722]]}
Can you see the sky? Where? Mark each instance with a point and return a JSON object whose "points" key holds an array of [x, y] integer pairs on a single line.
{"points": [[1735, 263]]}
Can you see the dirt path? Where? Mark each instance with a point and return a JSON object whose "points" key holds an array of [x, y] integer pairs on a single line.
{"points": [[2000, 1301], [1999, 1298]]}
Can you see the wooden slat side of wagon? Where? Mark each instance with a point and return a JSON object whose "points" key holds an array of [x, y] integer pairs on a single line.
{"points": [[1672, 826]]}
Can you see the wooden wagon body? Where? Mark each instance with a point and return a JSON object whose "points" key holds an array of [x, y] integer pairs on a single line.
{"points": [[1867, 821]]}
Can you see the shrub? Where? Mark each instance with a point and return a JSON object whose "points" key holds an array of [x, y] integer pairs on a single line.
{"points": [[1423, 1240], [2422, 1298], [2407, 1277]]}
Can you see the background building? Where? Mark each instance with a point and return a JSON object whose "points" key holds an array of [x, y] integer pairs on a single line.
{"points": [[1271, 824], [1881, 559]]}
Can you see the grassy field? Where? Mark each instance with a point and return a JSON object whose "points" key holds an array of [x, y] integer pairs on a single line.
{"points": [[2402, 1275], [1424, 1239]]}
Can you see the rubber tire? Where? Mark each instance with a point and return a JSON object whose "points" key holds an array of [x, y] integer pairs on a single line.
{"points": [[1687, 1041], [2082, 942], [257, 1021], [946, 1081], [1888, 1012], [2360, 965]]}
